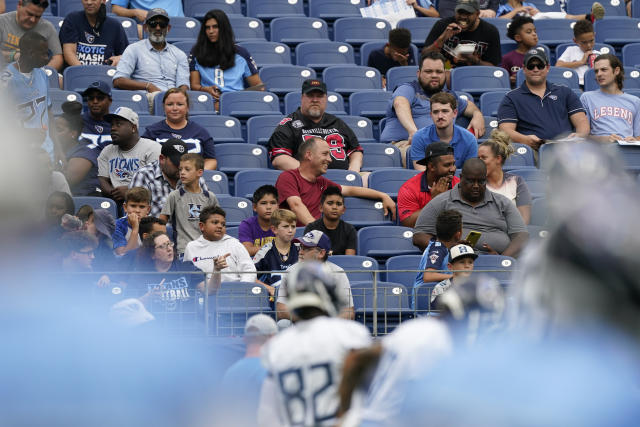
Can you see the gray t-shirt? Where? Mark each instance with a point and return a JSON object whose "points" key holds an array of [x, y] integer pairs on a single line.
{"points": [[119, 166], [342, 283], [497, 217], [11, 32], [185, 207]]}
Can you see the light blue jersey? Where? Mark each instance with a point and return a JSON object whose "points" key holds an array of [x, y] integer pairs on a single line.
{"points": [[231, 79], [612, 114]]}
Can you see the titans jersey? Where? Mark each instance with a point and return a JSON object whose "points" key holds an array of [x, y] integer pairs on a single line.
{"points": [[96, 131], [195, 137]]}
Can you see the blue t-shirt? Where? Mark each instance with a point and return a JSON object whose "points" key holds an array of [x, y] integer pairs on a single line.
{"points": [[193, 135], [465, 145], [96, 131], [86, 150], [435, 256], [420, 110], [228, 80], [122, 233], [93, 45], [173, 7], [241, 387], [505, 8], [268, 258], [612, 114]]}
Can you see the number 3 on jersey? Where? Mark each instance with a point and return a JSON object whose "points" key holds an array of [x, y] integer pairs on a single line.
{"points": [[336, 144]]}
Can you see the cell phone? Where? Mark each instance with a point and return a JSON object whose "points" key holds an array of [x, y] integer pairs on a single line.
{"points": [[473, 237]]}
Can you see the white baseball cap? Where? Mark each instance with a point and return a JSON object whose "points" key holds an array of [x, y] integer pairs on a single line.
{"points": [[124, 112], [459, 251], [260, 325]]}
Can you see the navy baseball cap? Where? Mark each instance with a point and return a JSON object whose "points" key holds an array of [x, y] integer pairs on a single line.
{"points": [[310, 85], [156, 12], [315, 239], [435, 149], [100, 86], [470, 6], [535, 53]]}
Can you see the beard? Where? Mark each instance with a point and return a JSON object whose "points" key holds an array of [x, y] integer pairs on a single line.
{"points": [[430, 90], [158, 39]]}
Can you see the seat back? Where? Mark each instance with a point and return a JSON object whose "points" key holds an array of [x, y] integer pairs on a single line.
{"points": [[380, 156], [58, 97], [631, 55], [134, 99], [199, 8], [490, 101], [359, 30], [268, 53], [499, 266], [334, 9], [355, 262], [97, 203], [283, 79], [245, 104], [403, 262], [386, 241], [419, 27], [553, 32], [296, 29], [235, 157], [362, 127], [390, 180], [269, 9], [523, 156], [260, 128], [372, 104], [223, 129], [344, 177], [217, 182], [78, 77], [479, 78], [558, 75], [347, 79], [364, 212], [249, 180], [320, 54], [247, 29], [237, 209], [398, 75]]}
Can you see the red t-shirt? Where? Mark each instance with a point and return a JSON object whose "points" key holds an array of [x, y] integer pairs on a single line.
{"points": [[291, 183], [415, 194]]}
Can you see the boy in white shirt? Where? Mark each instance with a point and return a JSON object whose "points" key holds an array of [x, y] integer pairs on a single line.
{"points": [[580, 57]]}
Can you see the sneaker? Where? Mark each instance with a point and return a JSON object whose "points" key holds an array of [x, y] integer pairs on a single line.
{"points": [[597, 11]]}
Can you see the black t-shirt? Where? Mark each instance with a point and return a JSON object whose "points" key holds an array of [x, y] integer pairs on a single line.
{"points": [[342, 238], [377, 59], [486, 37]]}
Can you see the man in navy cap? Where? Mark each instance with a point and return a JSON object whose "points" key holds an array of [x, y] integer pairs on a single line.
{"points": [[96, 128]]}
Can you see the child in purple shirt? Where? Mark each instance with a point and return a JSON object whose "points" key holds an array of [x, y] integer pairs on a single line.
{"points": [[523, 31], [256, 231]]}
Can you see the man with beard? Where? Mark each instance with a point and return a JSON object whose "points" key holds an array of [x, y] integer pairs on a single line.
{"points": [[409, 108], [493, 215], [119, 161], [162, 177], [96, 128], [311, 120]]}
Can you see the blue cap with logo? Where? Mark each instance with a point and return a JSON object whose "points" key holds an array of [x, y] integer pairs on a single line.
{"points": [[315, 239], [100, 86]]}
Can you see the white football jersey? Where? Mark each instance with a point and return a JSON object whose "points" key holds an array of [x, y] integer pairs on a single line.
{"points": [[304, 365]]}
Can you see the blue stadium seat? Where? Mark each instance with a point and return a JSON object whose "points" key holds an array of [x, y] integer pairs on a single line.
{"points": [[390, 180], [233, 231], [344, 177], [499, 266], [283, 79], [419, 27], [297, 29], [217, 182], [558, 75], [371, 104], [260, 128], [249, 180], [631, 79], [347, 79], [199, 103], [365, 213], [522, 158], [398, 75], [234, 303], [67, 6], [58, 97], [185, 46], [507, 46], [268, 53], [490, 101], [634, 92], [355, 262], [377, 155], [631, 55], [539, 214], [146, 120], [79, 77], [536, 180], [182, 29], [199, 8], [223, 129], [368, 47], [359, 30], [422, 299], [630, 154], [362, 127], [537, 232], [237, 208], [501, 25], [134, 99], [56, 21], [601, 47], [403, 262], [548, 5], [244, 104], [392, 305], [547, 155], [270, 9], [52, 77], [97, 203], [236, 157], [130, 27], [320, 54], [635, 8], [335, 102], [386, 241], [553, 32], [578, 7], [247, 29], [617, 30], [333, 9], [490, 123], [479, 79]]}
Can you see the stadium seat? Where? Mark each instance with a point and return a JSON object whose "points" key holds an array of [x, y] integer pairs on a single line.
{"points": [[634, 92], [234, 303], [244, 104], [56, 21], [611, 7], [386, 241], [130, 27], [237, 208], [403, 262], [635, 8], [421, 300], [53, 79], [557, 75], [182, 29], [490, 101], [419, 27], [547, 155], [377, 155], [217, 182], [631, 55], [335, 102], [479, 79], [236, 157], [223, 129], [270, 9], [58, 97], [355, 262], [398, 75], [371, 104], [631, 79], [260, 128], [199, 103], [347, 79], [539, 214], [233, 231], [617, 30], [601, 47], [537, 232], [298, 29], [344, 177], [391, 304], [359, 30], [185, 46], [268, 53], [521, 158], [283, 79], [134, 99], [390, 180], [499, 266], [553, 32], [490, 123], [249, 180], [368, 47], [67, 6], [320, 54], [247, 29], [333, 9], [630, 154], [199, 8], [365, 213], [535, 179], [79, 77], [97, 203], [548, 5], [362, 127], [146, 120]]}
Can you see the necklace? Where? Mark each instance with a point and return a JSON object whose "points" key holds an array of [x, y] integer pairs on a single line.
{"points": [[27, 80], [283, 257]]}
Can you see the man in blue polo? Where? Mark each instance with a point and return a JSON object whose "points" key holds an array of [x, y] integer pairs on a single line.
{"points": [[540, 110]]}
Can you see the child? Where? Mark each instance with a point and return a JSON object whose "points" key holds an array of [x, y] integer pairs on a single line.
{"points": [[397, 52], [580, 57], [137, 205], [185, 203], [214, 243], [523, 31], [511, 8], [280, 253], [436, 254], [461, 263], [256, 231], [342, 234]]}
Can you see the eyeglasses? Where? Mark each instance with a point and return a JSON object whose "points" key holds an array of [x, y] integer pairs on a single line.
{"points": [[167, 245], [537, 65], [154, 24]]}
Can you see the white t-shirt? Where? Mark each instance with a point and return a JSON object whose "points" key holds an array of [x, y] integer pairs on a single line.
{"points": [[119, 166], [573, 54], [343, 286], [201, 252]]}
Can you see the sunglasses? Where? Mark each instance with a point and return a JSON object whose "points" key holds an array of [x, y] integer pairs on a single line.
{"points": [[537, 65], [159, 23]]}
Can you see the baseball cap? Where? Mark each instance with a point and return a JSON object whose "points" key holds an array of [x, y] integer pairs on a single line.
{"points": [[314, 239], [260, 325], [100, 86], [173, 149], [104, 222], [461, 251], [310, 85], [470, 6], [435, 149], [536, 52], [124, 112], [156, 12]]}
